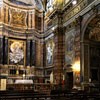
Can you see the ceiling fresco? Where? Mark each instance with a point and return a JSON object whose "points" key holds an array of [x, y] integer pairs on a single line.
{"points": [[36, 3], [23, 2]]}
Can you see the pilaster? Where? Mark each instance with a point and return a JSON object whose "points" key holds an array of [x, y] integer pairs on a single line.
{"points": [[33, 19], [77, 76], [59, 50]]}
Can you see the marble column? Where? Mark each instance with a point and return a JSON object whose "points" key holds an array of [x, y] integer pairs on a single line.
{"points": [[33, 53], [28, 53], [1, 49], [5, 51]]}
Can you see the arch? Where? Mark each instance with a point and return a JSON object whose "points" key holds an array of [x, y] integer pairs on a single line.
{"points": [[86, 25], [83, 29]]}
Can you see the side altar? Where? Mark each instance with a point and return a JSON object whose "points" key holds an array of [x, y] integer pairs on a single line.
{"points": [[21, 85]]}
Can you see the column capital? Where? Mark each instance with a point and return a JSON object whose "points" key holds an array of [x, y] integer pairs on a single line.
{"points": [[78, 20]]}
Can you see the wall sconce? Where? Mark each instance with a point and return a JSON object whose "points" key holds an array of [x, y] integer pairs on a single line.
{"points": [[76, 67]]}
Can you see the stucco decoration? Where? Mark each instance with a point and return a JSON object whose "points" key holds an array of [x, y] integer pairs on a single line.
{"points": [[18, 18]]}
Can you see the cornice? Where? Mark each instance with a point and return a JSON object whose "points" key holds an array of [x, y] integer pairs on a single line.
{"points": [[66, 6], [56, 13], [69, 6], [74, 10], [31, 33], [81, 12]]}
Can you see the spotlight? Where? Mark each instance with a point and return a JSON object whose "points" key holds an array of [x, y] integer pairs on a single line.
{"points": [[74, 2]]}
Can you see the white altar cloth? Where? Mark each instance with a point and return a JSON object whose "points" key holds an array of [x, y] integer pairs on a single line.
{"points": [[24, 82]]}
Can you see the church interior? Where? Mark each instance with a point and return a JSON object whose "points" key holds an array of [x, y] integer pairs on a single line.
{"points": [[49, 44]]}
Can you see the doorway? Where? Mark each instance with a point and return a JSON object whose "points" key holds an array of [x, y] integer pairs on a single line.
{"points": [[95, 61], [69, 80]]}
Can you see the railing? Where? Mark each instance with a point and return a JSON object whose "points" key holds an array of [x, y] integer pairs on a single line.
{"points": [[31, 95]]}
